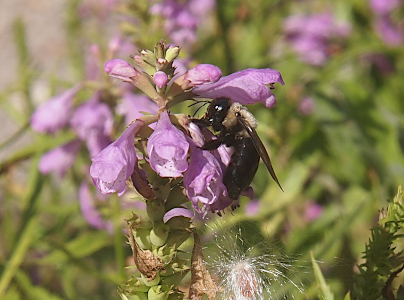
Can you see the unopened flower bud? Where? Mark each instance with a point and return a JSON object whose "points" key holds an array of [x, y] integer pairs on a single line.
{"points": [[160, 79], [155, 293], [138, 61], [161, 64], [172, 53], [149, 57], [159, 234], [120, 69], [160, 49]]}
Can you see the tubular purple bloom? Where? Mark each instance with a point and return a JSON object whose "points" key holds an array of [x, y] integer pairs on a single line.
{"points": [[114, 165], [160, 79], [55, 113], [246, 87], [60, 159], [203, 181], [391, 34], [132, 105], [384, 7], [306, 106], [203, 73], [93, 122], [167, 149], [89, 209], [178, 212], [120, 69], [313, 211], [309, 35]]}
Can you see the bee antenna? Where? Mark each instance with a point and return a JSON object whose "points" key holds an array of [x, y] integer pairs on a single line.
{"points": [[197, 102]]}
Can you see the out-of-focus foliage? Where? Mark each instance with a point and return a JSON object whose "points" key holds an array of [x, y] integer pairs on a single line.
{"points": [[384, 259], [335, 137]]}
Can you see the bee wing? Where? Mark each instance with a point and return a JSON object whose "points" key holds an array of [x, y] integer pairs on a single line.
{"points": [[260, 148]]}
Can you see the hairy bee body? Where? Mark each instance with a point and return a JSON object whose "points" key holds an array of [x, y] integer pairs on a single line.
{"points": [[242, 167], [236, 127]]}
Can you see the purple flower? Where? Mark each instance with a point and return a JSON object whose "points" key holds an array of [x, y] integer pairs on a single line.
{"points": [[252, 207], [313, 211], [391, 34], [121, 69], [203, 180], [124, 71], [306, 106], [92, 62], [178, 212], [60, 159], [182, 18], [114, 165], [93, 122], [246, 87], [132, 105], [309, 35], [55, 113], [89, 209], [160, 79], [167, 149], [384, 7], [222, 203], [99, 8], [201, 74]]}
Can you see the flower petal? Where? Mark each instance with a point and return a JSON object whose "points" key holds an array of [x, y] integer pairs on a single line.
{"points": [[246, 87]]}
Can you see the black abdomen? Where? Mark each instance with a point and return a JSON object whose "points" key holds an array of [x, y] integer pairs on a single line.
{"points": [[242, 167]]}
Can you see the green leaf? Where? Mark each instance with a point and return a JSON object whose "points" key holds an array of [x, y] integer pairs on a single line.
{"points": [[325, 292]]}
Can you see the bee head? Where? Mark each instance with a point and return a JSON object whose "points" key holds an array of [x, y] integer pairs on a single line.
{"points": [[217, 112]]}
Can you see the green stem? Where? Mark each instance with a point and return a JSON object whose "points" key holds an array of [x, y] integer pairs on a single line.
{"points": [[18, 255], [118, 238], [27, 232]]}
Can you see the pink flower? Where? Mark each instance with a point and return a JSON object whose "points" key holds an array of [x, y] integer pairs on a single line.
{"points": [[306, 106], [132, 105], [384, 7], [203, 180], [167, 149], [60, 159], [309, 35], [89, 210], [203, 73], [246, 87], [115, 164], [121, 69], [178, 212], [390, 33], [182, 18], [313, 211], [160, 79], [93, 122], [55, 113]]}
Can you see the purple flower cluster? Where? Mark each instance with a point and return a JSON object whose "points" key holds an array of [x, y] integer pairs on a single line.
{"points": [[91, 121], [182, 18], [309, 35], [389, 32], [173, 148]]}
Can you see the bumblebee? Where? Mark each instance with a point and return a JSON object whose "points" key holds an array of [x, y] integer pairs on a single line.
{"points": [[236, 127]]}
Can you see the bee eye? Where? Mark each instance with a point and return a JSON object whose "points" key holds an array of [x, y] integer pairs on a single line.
{"points": [[218, 108], [211, 120]]}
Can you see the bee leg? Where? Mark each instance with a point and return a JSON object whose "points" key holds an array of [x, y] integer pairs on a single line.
{"points": [[201, 122], [213, 144]]}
